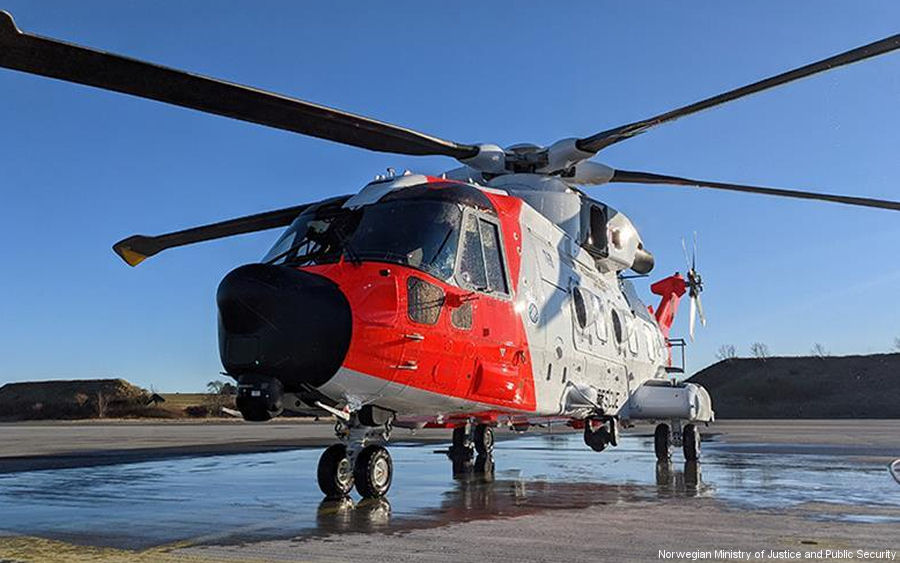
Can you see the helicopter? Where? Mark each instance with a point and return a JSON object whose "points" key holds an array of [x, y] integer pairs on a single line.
{"points": [[497, 293]]}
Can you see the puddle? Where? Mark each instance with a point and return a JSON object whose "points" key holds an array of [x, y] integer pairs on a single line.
{"points": [[248, 497]]}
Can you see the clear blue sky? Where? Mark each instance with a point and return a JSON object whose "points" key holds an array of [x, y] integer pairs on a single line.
{"points": [[83, 168]]}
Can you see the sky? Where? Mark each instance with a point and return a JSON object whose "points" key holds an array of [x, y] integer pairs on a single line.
{"points": [[83, 168]]}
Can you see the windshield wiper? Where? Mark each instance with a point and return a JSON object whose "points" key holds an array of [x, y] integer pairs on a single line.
{"points": [[441, 247], [291, 249], [343, 239]]}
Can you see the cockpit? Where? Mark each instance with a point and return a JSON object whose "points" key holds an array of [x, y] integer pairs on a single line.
{"points": [[449, 231]]}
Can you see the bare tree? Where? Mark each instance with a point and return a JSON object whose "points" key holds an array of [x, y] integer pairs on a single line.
{"points": [[897, 343], [819, 351], [726, 352], [759, 351]]}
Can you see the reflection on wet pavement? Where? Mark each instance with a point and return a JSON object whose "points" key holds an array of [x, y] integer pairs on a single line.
{"points": [[249, 497]]}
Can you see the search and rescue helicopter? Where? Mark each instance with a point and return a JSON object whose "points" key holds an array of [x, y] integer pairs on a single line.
{"points": [[494, 294]]}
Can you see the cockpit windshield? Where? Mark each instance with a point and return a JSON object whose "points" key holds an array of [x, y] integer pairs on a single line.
{"points": [[422, 234]]}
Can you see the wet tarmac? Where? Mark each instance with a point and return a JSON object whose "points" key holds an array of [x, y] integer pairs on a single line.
{"points": [[231, 499]]}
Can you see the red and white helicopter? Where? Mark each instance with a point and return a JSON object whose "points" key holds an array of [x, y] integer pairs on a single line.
{"points": [[493, 294]]}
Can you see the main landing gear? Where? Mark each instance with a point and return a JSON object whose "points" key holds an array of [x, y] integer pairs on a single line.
{"points": [[688, 438], [601, 432], [357, 461], [471, 452], [478, 436]]}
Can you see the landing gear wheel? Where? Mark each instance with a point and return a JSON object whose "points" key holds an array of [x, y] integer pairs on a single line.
{"points": [[690, 442], [335, 474], [461, 447], [373, 471], [598, 439], [613, 432], [662, 442], [459, 437], [484, 439]]}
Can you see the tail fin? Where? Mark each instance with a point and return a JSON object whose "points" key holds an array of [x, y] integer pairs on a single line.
{"points": [[670, 290]]}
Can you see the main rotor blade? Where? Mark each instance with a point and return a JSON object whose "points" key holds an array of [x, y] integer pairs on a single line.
{"points": [[83, 65], [631, 177], [602, 140], [135, 249]]}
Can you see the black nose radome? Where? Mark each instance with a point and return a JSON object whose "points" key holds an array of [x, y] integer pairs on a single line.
{"points": [[275, 321]]}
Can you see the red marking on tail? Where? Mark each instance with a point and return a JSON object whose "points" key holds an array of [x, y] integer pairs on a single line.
{"points": [[670, 290]]}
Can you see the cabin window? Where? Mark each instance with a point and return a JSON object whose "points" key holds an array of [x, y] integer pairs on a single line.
{"points": [[424, 301], [461, 317], [617, 326], [602, 328], [481, 259], [578, 302], [651, 347], [633, 340]]}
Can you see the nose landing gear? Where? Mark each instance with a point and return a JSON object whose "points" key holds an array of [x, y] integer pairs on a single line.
{"points": [[368, 466]]}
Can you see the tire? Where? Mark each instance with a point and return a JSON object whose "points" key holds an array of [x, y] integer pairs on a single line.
{"points": [[335, 474], [459, 437], [373, 472], [690, 443], [614, 432], [662, 442], [598, 439], [484, 439]]}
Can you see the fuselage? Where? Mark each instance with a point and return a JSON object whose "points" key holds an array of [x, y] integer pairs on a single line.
{"points": [[462, 300]]}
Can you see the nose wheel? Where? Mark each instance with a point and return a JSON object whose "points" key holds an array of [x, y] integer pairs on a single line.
{"points": [[335, 472], [357, 461], [373, 471]]}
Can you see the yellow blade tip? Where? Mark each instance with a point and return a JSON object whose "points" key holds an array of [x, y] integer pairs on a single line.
{"points": [[130, 256]]}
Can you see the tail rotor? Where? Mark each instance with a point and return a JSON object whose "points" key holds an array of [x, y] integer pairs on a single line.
{"points": [[694, 284]]}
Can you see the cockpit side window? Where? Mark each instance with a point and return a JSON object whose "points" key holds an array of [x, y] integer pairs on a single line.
{"points": [[493, 259], [471, 263], [481, 264]]}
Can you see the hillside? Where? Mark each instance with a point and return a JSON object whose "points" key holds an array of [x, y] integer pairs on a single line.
{"points": [[101, 398], [805, 387], [69, 399]]}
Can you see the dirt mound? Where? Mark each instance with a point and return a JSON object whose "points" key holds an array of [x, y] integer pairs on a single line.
{"points": [[70, 399], [805, 387]]}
